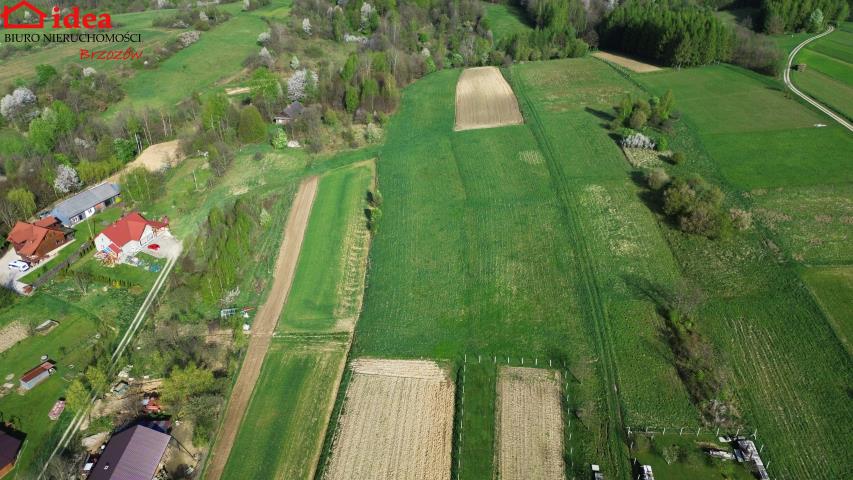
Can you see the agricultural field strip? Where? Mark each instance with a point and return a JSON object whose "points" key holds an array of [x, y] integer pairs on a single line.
{"points": [[264, 327], [816, 104], [128, 336], [568, 199], [485, 100], [397, 422], [530, 424]]}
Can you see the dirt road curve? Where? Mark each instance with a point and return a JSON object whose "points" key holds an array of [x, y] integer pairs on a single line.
{"points": [[787, 76], [264, 326]]}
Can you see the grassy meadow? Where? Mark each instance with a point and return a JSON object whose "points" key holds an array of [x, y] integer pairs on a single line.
{"points": [[282, 431], [505, 19], [772, 336], [829, 70], [833, 288]]}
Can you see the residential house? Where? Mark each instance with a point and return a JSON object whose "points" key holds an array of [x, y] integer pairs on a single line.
{"points": [[289, 114], [10, 446], [86, 203], [37, 375], [34, 241], [132, 454], [127, 236]]}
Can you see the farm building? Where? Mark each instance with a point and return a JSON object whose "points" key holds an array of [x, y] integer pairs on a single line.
{"points": [[127, 236], [34, 241], [132, 454], [596, 473], [9, 447], [37, 375], [86, 203], [289, 114]]}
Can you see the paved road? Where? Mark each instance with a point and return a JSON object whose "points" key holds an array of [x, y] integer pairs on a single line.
{"points": [[815, 103], [263, 327]]}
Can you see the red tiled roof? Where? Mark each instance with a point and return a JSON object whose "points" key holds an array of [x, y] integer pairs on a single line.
{"points": [[30, 235], [47, 222], [44, 367], [128, 228]]}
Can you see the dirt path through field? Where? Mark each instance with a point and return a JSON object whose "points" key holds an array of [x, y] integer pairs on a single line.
{"points": [[629, 63], [264, 326], [153, 158]]}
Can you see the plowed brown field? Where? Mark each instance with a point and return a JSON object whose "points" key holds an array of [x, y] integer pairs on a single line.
{"points": [[530, 425], [397, 423], [485, 100]]}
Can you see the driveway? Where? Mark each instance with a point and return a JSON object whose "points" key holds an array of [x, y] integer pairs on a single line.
{"points": [[9, 278], [170, 247]]}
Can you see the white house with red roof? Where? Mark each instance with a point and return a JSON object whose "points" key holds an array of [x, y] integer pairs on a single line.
{"points": [[128, 235]]}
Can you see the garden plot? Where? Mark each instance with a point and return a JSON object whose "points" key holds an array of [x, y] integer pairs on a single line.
{"points": [[485, 100], [397, 422], [530, 424], [12, 334]]}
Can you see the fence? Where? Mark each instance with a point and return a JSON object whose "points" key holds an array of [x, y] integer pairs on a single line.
{"points": [[47, 276]]}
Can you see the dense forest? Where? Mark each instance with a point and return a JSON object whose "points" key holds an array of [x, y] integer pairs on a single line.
{"points": [[778, 16]]}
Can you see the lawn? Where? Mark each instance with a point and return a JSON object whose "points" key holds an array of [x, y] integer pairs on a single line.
{"points": [[283, 429], [122, 274], [833, 288], [73, 344], [506, 20], [217, 55], [829, 70], [329, 276]]}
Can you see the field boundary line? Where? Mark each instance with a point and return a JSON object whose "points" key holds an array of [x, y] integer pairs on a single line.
{"points": [[787, 77]]}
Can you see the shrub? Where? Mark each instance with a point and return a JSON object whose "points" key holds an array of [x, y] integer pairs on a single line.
{"points": [[251, 128], [638, 119], [696, 206], [657, 178], [373, 133], [741, 219], [677, 158], [279, 140]]}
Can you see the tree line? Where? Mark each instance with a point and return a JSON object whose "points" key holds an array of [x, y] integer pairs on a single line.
{"points": [[778, 16]]}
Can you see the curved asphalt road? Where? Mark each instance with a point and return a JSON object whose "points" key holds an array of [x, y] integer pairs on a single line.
{"points": [[787, 77]]}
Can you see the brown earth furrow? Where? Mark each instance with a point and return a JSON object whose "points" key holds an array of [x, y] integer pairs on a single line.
{"points": [[484, 99]]}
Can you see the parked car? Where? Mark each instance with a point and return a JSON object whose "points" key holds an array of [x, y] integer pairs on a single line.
{"points": [[19, 265]]}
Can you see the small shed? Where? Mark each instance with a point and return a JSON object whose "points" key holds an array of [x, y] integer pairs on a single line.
{"points": [[37, 375], [289, 114]]}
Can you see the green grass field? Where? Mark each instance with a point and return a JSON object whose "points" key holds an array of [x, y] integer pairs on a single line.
{"points": [[282, 431], [505, 19], [833, 288], [829, 70], [217, 55], [687, 458], [333, 252]]}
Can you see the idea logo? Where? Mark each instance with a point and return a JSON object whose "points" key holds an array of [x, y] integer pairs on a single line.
{"points": [[72, 20]]}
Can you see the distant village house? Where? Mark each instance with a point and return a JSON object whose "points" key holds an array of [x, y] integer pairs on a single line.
{"points": [[34, 241], [290, 114], [86, 203], [128, 236]]}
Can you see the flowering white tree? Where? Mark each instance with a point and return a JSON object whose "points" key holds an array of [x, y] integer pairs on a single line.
{"points": [[20, 105], [263, 38], [66, 179], [203, 16], [306, 26], [366, 11], [247, 4], [89, 71], [638, 140], [299, 83]]}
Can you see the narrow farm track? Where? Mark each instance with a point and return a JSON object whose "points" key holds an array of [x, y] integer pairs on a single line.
{"points": [[264, 326], [787, 76], [590, 290]]}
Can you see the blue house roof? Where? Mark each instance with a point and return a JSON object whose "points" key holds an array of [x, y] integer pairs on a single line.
{"points": [[70, 208]]}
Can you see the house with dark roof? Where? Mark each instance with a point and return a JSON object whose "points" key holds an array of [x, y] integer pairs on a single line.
{"points": [[37, 375], [289, 114], [10, 446], [34, 241], [133, 454], [127, 236], [86, 203], [27, 7]]}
